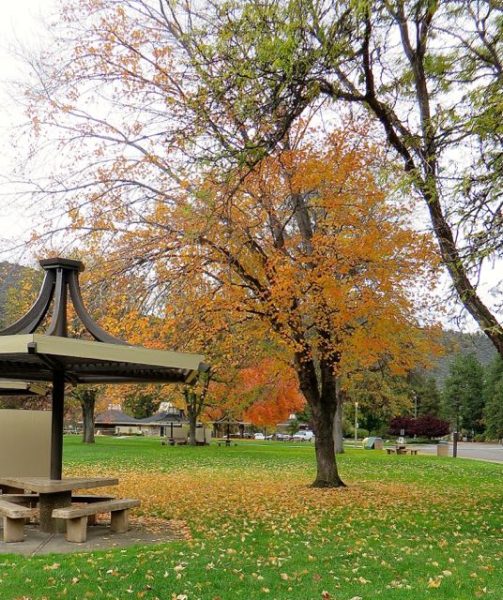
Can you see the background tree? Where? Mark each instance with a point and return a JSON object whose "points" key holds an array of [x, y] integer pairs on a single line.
{"points": [[141, 402], [380, 395], [272, 391], [18, 289], [493, 396], [427, 426], [86, 395], [425, 394], [195, 402], [463, 393], [227, 347], [26, 402]]}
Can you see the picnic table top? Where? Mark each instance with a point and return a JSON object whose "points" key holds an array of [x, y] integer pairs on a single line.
{"points": [[44, 485]]}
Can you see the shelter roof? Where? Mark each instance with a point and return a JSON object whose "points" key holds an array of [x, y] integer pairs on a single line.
{"points": [[53, 356], [115, 417], [228, 420], [163, 418], [10, 387], [36, 356]]}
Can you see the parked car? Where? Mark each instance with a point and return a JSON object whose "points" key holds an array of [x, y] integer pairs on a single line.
{"points": [[259, 436], [282, 437], [304, 435]]}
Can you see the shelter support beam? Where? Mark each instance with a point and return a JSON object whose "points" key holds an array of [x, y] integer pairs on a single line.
{"points": [[58, 400]]}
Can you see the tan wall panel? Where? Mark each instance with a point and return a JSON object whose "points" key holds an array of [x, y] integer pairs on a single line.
{"points": [[25, 443]]}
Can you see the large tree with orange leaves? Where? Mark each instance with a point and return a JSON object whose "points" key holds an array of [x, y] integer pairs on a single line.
{"points": [[311, 257]]}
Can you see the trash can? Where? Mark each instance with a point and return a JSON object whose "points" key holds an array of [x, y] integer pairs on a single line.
{"points": [[443, 448], [378, 444], [368, 443], [373, 443]]}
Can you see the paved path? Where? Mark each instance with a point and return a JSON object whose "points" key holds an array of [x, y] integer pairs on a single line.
{"points": [[99, 537], [492, 452]]}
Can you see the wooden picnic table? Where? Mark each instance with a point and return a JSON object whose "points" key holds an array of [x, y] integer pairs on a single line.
{"points": [[401, 450], [53, 493]]}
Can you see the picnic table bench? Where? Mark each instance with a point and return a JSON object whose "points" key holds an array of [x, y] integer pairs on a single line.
{"points": [[398, 450], [14, 516], [77, 516]]}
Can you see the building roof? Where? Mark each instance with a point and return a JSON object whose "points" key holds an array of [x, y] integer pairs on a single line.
{"points": [[34, 356], [162, 418], [27, 355], [115, 417], [9, 387]]}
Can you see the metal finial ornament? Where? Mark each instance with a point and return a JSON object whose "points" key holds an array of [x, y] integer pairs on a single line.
{"points": [[61, 282]]}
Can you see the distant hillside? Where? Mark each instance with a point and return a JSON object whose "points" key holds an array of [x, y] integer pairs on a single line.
{"points": [[456, 342]]}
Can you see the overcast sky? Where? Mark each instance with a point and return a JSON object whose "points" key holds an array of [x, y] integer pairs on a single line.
{"points": [[23, 23]]}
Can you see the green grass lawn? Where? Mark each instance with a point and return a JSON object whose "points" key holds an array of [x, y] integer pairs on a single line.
{"points": [[405, 528]]}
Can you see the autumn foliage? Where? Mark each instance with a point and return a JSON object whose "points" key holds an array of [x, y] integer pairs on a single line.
{"points": [[274, 393], [311, 256]]}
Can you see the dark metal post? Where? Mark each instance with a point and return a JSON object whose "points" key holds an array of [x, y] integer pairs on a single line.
{"points": [[58, 401], [455, 436], [456, 433]]}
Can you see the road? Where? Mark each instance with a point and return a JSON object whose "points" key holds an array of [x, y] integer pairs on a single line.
{"points": [[492, 452]]}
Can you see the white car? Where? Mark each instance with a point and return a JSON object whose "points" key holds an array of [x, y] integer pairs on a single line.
{"points": [[259, 436], [304, 435]]}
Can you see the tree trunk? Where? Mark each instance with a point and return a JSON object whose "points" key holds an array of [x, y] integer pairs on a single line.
{"points": [[192, 427], [87, 403], [323, 405], [326, 466], [338, 433], [191, 403]]}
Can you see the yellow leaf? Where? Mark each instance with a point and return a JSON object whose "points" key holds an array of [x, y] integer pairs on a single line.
{"points": [[434, 583]]}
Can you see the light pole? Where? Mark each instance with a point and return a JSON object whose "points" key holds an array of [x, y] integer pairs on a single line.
{"points": [[356, 423], [456, 433]]}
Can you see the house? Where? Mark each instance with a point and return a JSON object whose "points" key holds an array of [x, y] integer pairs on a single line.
{"points": [[115, 422], [170, 422]]}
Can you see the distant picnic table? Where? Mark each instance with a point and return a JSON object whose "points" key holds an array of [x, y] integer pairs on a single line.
{"points": [[401, 450]]}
